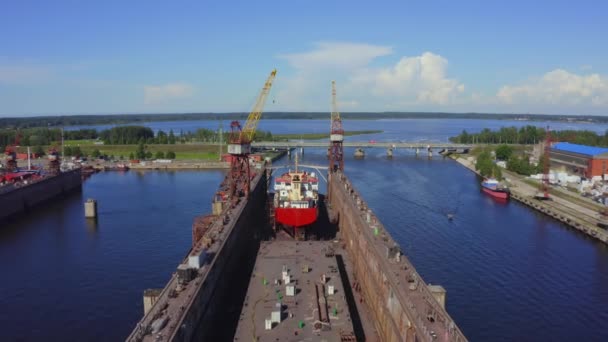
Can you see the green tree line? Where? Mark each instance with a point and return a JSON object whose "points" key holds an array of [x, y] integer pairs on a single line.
{"points": [[516, 163], [78, 120], [486, 166], [121, 135], [209, 135], [142, 153], [530, 135]]}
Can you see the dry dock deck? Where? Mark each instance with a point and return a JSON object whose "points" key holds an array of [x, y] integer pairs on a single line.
{"points": [[305, 308]]}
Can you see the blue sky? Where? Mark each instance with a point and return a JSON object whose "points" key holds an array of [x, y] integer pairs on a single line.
{"points": [[81, 57]]}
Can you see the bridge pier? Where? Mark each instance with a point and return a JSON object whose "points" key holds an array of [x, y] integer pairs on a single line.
{"points": [[417, 151], [302, 150], [389, 153]]}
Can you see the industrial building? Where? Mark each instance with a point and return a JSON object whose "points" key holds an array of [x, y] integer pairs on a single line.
{"points": [[581, 160]]}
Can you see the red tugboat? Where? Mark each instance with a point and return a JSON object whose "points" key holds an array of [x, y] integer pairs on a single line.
{"points": [[493, 188], [296, 201]]}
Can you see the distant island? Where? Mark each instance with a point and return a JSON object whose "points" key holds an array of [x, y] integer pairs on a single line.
{"points": [[116, 119]]}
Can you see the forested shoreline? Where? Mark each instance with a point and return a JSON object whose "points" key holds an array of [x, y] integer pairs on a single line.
{"points": [[530, 135], [6, 121]]}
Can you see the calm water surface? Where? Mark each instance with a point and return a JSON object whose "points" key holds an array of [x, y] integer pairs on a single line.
{"points": [[432, 130], [511, 274], [66, 279]]}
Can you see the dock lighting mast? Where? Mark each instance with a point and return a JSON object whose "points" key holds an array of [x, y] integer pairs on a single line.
{"points": [[54, 161], [336, 137], [545, 159], [239, 146], [11, 154]]}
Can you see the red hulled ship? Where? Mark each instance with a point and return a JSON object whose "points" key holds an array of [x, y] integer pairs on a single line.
{"points": [[296, 201], [493, 188]]}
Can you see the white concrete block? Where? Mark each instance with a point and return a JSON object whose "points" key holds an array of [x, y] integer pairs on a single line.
{"points": [[268, 324], [197, 260], [290, 290], [275, 317], [330, 289]]}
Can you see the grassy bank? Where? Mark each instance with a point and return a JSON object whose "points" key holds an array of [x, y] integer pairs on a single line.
{"points": [[182, 151], [199, 151]]}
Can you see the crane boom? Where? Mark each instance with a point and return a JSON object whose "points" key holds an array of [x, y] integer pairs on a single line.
{"points": [[337, 132], [248, 132], [335, 115], [240, 144]]}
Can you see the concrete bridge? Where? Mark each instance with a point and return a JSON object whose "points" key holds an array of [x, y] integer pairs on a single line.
{"points": [[363, 144], [207, 297]]}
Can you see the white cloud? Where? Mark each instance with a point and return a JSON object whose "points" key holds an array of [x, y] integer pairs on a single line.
{"points": [[167, 93], [24, 74], [558, 87], [422, 82], [413, 80], [309, 87], [336, 55]]}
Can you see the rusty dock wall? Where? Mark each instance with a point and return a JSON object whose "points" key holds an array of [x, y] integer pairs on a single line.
{"points": [[401, 303], [19, 200], [207, 307]]}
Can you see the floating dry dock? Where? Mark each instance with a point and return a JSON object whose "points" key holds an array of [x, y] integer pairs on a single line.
{"points": [[241, 282], [15, 201]]}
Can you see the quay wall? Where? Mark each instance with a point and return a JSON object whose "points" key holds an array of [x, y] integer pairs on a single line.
{"points": [[25, 198], [399, 300], [218, 303], [208, 307], [567, 215]]}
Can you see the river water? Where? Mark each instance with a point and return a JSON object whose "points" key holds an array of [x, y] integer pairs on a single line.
{"points": [[431, 130], [511, 274]]}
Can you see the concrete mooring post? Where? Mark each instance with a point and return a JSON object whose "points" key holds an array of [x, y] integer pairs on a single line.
{"points": [[439, 293], [150, 297], [90, 208]]}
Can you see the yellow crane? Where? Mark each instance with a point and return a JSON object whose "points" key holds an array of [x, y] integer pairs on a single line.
{"points": [[239, 145], [248, 132]]}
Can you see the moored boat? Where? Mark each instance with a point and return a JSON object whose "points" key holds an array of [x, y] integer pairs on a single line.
{"points": [[118, 167], [493, 188]]}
